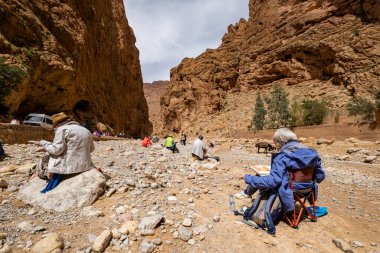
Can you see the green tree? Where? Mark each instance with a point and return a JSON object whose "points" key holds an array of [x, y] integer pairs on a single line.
{"points": [[278, 107], [314, 112], [361, 107], [258, 121]]}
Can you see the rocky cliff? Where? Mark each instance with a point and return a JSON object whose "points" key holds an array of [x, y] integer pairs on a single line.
{"points": [[314, 49], [153, 92], [73, 56]]}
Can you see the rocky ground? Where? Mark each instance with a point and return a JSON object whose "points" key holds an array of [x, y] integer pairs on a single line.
{"points": [[156, 201]]}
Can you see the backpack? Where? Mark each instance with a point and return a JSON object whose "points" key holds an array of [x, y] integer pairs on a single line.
{"points": [[265, 210], [41, 168]]}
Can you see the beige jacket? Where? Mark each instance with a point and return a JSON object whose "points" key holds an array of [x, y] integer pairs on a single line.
{"points": [[70, 150], [198, 148]]}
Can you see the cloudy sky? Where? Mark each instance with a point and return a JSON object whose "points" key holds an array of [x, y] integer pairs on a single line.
{"points": [[169, 30]]}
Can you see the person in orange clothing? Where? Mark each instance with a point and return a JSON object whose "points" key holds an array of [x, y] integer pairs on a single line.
{"points": [[146, 142]]}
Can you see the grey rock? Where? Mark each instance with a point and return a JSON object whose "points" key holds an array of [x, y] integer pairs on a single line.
{"points": [[184, 233], [25, 226], [110, 192], [357, 244], [78, 191], [130, 182], [151, 222], [146, 246]]}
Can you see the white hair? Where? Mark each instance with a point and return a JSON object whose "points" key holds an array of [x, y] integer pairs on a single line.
{"points": [[283, 136]]}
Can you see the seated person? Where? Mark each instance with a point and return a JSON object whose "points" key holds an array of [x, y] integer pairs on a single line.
{"points": [[2, 152], [146, 142], [171, 144], [70, 151], [155, 138], [199, 149], [291, 155]]}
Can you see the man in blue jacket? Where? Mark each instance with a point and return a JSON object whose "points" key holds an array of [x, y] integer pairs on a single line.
{"points": [[292, 155]]}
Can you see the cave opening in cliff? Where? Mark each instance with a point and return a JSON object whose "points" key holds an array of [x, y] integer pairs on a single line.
{"points": [[82, 105]]}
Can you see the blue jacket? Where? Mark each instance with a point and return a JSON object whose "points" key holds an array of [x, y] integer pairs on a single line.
{"points": [[292, 155]]}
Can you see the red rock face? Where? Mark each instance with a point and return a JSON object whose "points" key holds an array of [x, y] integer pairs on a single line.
{"points": [[314, 49], [153, 92], [74, 56]]}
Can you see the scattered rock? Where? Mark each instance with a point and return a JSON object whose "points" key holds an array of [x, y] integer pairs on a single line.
{"points": [[357, 244], [172, 198], [146, 246], [128, 227], [102, 241], [325, 141], [216, 218], [184, 233], [110, 192], [7, 169], [191, 241], [352, 140], [25, 226], [209, 166], [342, 245], [48, 244], [156, 241], [353, 150], [24, 169], [151, 222], [3, 183], [187, 222], [370, 159], [130, 182]]}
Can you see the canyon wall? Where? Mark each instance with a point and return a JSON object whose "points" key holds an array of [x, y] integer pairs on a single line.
{"points": [[326, 49], [73, 56]]}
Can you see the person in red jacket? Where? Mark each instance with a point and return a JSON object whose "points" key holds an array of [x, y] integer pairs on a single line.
{"points": [[146, 142]]}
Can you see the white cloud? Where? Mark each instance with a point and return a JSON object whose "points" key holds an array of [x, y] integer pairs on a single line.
{"points": [[169, 30]]}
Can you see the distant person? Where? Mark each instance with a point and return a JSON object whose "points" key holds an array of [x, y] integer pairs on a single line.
{"points": [[171, 144], [183, 139], [69, 153], [146, 142], [96, 133], [199, 149], [2, 152], [155, 138]]}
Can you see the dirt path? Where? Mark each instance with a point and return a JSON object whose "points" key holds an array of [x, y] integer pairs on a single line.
{"points": [[350, 191]]}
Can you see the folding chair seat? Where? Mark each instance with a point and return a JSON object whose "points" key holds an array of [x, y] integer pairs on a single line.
{"points": [[303, 187]]}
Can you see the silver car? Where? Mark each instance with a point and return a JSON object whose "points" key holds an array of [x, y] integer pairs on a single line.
{"points": [[36, 119]]}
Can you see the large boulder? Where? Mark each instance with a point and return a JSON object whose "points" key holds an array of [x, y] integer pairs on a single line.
{"points": [[78, 191], [48, 244]]}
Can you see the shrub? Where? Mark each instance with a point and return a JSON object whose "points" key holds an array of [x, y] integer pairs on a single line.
{"points": [[361, 107], [296, 114], [258, 120], [314, 112], [10, 76], [278, 110]]}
